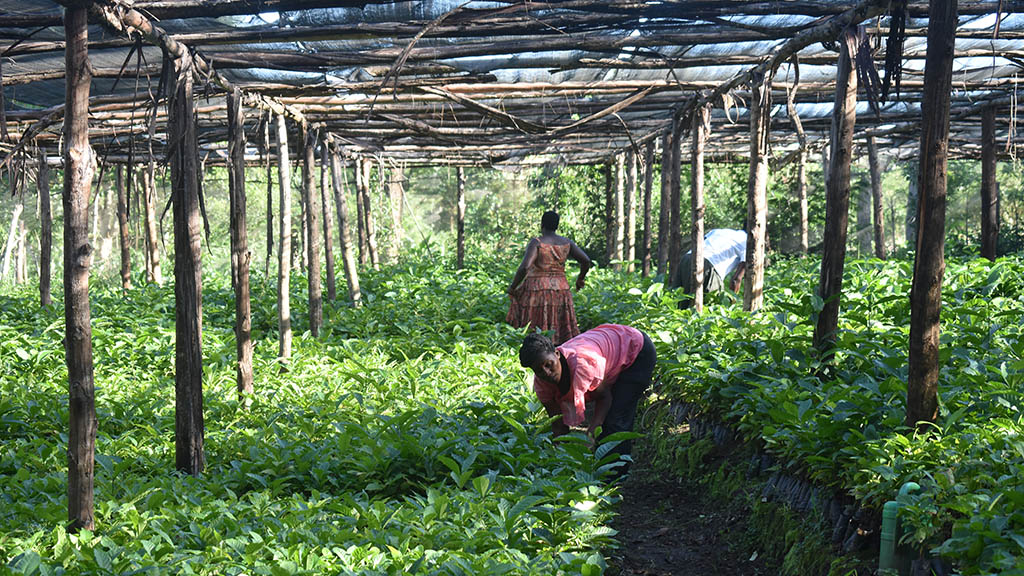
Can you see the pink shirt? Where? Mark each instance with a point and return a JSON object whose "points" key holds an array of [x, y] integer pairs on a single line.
{"points": [[595, 356]]}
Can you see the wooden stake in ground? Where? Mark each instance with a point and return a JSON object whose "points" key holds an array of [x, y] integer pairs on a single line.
{"points": [[188, 294], [910, 223], [241, 258], [152, 244], [665, 201], [344, 237], [989, 191], [325, 205], [837, 199], [675, 220], [620, 211], [122, 226], [645, 266], [45, 232], [876, 198], [10, 253], [460, 217], [396, 193], [370, 225], [864, 212], [757, 190], [364, 250], [284, 248], [316, 298], [629, 203], [78, 173], [270, 193], [929, 262], [699, 134], [609, 212]]}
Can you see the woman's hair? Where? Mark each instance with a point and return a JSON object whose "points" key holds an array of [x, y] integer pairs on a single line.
{"points": [[549, 221], [535, 346]]}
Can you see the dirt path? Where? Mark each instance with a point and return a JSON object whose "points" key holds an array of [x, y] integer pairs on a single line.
{"points": [[666, 529]]}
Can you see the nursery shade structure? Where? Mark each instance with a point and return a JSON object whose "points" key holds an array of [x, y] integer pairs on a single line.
{"points": [[503, 82]]}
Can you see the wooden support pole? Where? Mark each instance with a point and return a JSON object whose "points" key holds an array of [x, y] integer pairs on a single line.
{"points": [[122, 225], [325, 205], [312, 220], [302, 249], [460, 217], [396, 193], [876, 198], [837, 198], [270, 193], [344, 237], [629, 203], [910, 222], [645, 262], [675, 219], [369, 225], [757, 190], [364, 250], [864, 211], [699, 131], [665, 200], [12, 235], [609, 212], [284, 247], [929, 262], [989, 191], [45, 232], [152, 244], [241, 258], [78, 173], [620, 225], [188, 287], [801, 193]]}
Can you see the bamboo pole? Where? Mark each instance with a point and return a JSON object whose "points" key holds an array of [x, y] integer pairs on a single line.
{"points": [[989, 191], [699, 131], [284, 248], [929, 262], [240, 255], [837, 201]]}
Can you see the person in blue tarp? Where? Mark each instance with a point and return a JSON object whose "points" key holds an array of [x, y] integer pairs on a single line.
{"points": [[725, 254]]}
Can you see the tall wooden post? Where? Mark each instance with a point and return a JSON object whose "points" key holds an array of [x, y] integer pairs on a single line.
{"points": [[699, 132], [460, 217], [757, 191], [645, 258], [316, 298], [270, 193], [801, 174], [629, 203], [122, 226], [664, 203], [370, 225], [344, 237], [284, 246], [989, 192], [325, 205], [675, 220], [45, 232], [837, 198], [609, 212], [241, 258], [929, 263], [364, 250], [152, 244], [78, 173], [620, 210], [396, 193], [876, 198], [188, 291], [864, 212], [910, 223]]}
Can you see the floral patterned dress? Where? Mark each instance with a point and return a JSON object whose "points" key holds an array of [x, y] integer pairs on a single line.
{"points": [[543, 299]]}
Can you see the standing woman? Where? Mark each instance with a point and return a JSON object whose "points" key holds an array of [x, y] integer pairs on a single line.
{"points": [[539, 291]]}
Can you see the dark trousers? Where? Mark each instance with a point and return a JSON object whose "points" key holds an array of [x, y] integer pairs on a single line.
{"points": [[626, 393]]}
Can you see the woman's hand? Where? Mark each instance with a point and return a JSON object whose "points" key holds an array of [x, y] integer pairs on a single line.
{"points": [[579, 283]]}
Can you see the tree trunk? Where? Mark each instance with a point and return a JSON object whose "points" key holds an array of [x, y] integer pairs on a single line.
{"points": [[629, 202], [757, 192], [325, 205], [12, 240], [837, 199], [122, 225], [864, 210], [910, 223], [22, 271], [609, 212], [302, 249], [989, 193], [364, 250], [664, 203], [344, 238], [316, 298], [929, 263], [876, 197], [371, 228], [45, 232], [78, 173], [460, 217], [270, 195], [699, 132], [396, 192], [645, 266], [152, 231], [240, 256], [675, 221], [188, 294], [620, 213], [284, 248]]}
